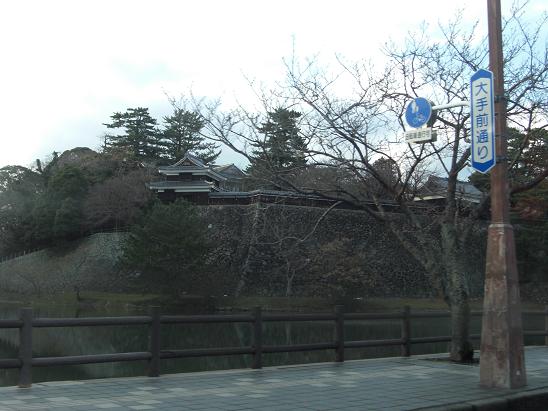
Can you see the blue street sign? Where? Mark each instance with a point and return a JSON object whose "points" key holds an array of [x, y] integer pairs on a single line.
{"points": [[482, 117], [418, 112]]}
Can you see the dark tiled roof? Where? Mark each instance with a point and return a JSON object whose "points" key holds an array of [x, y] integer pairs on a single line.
{"points": [[192, 159], [265, 193], [177, 184], [229, 170], [437, 186]]}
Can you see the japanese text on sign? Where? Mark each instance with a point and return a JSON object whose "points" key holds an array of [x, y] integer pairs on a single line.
{"points": [[482, 120]]}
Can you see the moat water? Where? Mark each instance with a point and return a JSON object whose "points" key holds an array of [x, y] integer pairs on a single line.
{"points": [[112, 339]]}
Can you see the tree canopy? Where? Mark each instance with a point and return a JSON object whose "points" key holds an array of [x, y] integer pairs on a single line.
{"points": [[281, 148], [181, 134], [140, 137], [66, 197], [168, 246]]}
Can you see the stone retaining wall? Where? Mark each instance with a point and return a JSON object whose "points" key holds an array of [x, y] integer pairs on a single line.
{"points": [[348, 254]]}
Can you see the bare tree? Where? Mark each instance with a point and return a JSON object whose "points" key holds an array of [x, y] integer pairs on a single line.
{"points": [[117, 201], [285, 238], [349, 130]]}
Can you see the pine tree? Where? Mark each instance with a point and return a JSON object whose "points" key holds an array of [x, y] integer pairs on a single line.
{"points": [[168, 247], [283, 147], [280, 154], [181, 134], [140, 139]]}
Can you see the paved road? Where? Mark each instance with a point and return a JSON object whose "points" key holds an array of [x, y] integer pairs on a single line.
{"points": [[381, 384]]}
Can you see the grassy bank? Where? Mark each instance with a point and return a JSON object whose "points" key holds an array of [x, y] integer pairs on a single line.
{"points": [[322, 304], [84, 298]]}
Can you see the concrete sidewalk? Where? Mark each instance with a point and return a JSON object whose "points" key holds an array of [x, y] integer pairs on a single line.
{"points": [[379, 384]]}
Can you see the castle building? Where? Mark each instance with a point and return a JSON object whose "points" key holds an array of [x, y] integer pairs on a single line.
{"points": [[191, 179]]}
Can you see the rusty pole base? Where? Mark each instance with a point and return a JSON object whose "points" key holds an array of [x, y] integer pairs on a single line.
{"points": [[502, 363]]}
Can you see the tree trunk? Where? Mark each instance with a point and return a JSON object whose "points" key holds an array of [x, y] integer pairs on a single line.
{"points": [[456, 295], [289, 285], [461, 348], [245, 269]]}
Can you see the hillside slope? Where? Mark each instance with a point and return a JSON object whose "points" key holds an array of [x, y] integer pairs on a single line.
{"points": [[89, 264]]}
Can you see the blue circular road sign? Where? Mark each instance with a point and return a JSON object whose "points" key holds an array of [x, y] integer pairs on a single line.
{"points": [[418, 112]]}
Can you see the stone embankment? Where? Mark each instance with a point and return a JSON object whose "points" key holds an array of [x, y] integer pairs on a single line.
{"points": [[257, 250], [90, 264]]}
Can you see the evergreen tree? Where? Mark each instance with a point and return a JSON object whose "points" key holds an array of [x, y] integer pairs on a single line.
{"points": [[283, 147], [57, 214], [181, 134], [140, 138], [168, 247], [68, 220], [20, 188], [68, 181], [280, 154]]}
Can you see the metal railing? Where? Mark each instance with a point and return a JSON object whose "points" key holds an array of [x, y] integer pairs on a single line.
{"points": [[255, 318]]}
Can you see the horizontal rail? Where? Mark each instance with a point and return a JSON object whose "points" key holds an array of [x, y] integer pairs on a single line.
{"points": [[206, 352], [91, 321], [11, 323], [433, 314], [298, 317], [188, 319], [192, 319], [10, 363], [373, 316], [535, 333], [372, 343], [421, 340], [298, 347], [539, 313], [90, 359]]}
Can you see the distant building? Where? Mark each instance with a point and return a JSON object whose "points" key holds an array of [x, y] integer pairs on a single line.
{"points": [[203, 184], [191, 179], [435, 191]]}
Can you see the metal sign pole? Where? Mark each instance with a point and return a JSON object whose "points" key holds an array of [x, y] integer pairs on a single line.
{"points": [[501, 357]]}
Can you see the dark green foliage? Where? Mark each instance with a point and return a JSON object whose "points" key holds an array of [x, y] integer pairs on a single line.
{"points": [[43, 216], [181, 134], [68, 220], [530, 207], [20, 188], [527, 154], [57, 214], [168, 248], [46, 207], [140, 139], [68, 182], [282, 150]]}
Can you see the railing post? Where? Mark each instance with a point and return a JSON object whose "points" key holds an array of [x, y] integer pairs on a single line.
{"points": [[154, 343], [25, 348], [406, 332], [546, 324], [339, 333], [257, 338]]}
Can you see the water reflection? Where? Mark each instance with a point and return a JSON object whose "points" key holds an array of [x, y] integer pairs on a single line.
{"points": [[112, 339]]}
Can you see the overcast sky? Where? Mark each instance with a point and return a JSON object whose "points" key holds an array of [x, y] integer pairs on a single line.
{"points": [[66, 66]]}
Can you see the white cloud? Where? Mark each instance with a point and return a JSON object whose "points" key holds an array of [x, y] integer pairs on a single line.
{"points": [[67, 65]]}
